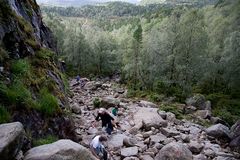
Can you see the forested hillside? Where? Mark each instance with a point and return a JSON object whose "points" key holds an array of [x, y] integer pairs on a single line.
{"points": [[179, 2], [172, 51]]}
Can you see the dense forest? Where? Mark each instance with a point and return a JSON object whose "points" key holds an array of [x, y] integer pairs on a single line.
{"points": [[159, 49]]}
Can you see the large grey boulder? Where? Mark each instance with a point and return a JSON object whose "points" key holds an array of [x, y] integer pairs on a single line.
{"points": [[76, 108], [235, 130], [129, 142], [195, 147], [147, 104], [219, 131], [198, 101], [116, 141], [11, 140], [92, 85], [203, 114], [235, 136], [60, 150], [174, 151], [130, 151], [147, 118], [109, 101]]}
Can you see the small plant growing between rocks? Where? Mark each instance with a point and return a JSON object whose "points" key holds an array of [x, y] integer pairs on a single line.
{"points": [[45, 140], [172, 108], [4, 115], [48, 103], [96, 102]]}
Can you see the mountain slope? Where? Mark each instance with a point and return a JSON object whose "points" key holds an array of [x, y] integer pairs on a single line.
{"points": [[32, 90], [77, 2], [179, 2]]}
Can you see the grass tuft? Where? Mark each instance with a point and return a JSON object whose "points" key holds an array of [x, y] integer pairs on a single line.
{"points": [[4, 115], [46, 140], [48, 102]]}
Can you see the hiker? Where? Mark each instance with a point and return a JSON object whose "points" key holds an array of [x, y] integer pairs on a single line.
{"points": [[107, 120], [114, 113], [78, 79], [97, 148]]}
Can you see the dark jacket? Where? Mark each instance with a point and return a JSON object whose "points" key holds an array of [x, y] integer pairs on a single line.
{"points": [[106, 119]]}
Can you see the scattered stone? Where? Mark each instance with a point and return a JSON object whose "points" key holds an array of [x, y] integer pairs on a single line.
{"points": [[163, 114], [203, 114], [170, 117], [146, 157], [76, 108], [189, 109], [195, 147], [185, 138], [169, 132], [130, 151], [11, 139], [208, 105], [131, 158], [235, 136], [158, 138], [197, 100], [199, 157], [129, 142], [120, 90], [147, 134]]}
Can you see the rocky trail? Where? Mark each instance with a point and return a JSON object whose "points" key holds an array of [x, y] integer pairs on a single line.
{"points": [[146, 133]]}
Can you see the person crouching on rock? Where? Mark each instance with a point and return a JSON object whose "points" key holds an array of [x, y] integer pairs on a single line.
{"points": [[107, 120], [97, 147]]}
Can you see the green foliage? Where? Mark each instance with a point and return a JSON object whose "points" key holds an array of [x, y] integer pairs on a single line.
{"points": [[228, 110], [48, 103], [225, 107], [3, 54], [4, 115], [96, 102], [172, 108], [16, 93], [32, 42], [45, 140], [65, 82], [25, 25], [20, 67], [44, 53], [155, 97]]}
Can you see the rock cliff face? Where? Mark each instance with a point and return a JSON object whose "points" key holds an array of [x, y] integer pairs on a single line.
{"points": [[32, 88], [22, 28]]}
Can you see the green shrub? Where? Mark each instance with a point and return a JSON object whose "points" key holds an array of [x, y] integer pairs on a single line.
{"points": [[215, 97], [3, 54], [44, 54], [96, 102], [15, 93], [48, 103], [172, 108], [155, 97], [228, 110], [45, 140], [4, 115], [20, 67], [65, 82]]}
